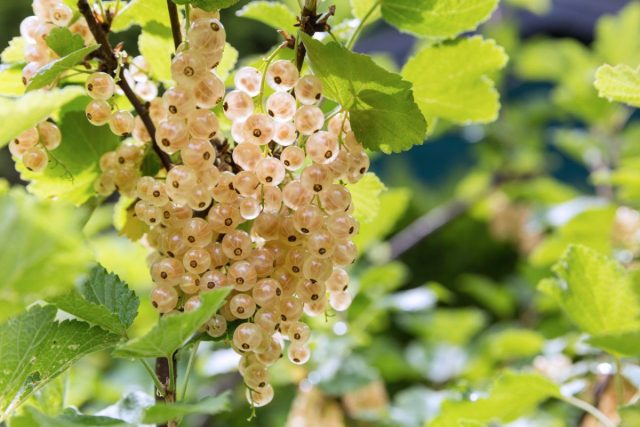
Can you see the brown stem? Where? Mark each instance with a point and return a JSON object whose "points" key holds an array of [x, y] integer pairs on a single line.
{"points": [[307, 26], [163, 373], [110, 62], [175, 23]]}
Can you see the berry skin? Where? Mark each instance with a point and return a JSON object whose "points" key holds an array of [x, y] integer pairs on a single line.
{"points": [[121, 122], [309, 90], [100, 86], [282, 75], [247, 79]]}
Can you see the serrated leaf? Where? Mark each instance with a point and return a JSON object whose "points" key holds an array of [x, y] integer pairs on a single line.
{"points": [[20, 114], [34, 349], [365, 196], [52, 70], [512, 396], [63, 42], [620, 83], [71, 174], [14, 52], [103, 300], [437, 18], [141, 12], [69, 418], [451, 81], [513, 344], [595, 292], [616, 38], [275, 15], [211, 405], [209, 5], [174, 330], [383, 114], [156, 45], [47, 249]]}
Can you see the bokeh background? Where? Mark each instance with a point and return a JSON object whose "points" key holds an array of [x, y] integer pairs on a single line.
{"points": [[458, 305]]}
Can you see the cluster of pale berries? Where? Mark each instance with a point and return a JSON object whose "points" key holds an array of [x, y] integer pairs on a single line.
{"points": [[48, 14], [276, 227], [33, 145]]}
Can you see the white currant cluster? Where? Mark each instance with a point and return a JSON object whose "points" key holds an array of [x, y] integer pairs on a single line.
{"points": [[268, 215], [48, 14], [33, 145]]}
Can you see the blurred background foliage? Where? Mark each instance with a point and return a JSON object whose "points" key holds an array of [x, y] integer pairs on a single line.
{"points": [[444, 318]]}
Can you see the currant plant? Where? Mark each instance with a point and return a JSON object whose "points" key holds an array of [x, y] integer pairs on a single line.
{"points": [[248, 185]]}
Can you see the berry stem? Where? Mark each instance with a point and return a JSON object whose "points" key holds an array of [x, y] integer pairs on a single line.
{"points": [[307, 21], [110, 61], [166, 374], [175, 23]]}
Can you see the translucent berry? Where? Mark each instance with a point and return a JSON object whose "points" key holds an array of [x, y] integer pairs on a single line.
{"points": [[100, 86], [247, 79], [309, 90], [282, 75]]}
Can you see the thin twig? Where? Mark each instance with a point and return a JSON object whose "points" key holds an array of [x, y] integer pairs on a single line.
{"points": [[175, 23], [110, 61], [156, 382], [307, 18], [356, 32], [426, 225]]}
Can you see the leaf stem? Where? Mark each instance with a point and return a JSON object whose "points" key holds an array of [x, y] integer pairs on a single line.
{"points": [[358, 30], [590, 409], [175, 23], [156, 381], [187, 372]]}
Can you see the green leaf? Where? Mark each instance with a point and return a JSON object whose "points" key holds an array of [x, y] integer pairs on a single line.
{"points": [[20, 114], [103, 300], [14, 52], [616, 40], [11, 81], [360, 9], [382, 279], [227, 63], [451, 81], [437, 18], [174, 330], [69, 418], [629, 415], [623, 344], [63, 42], [514, 344], [71, 174], [512, 396], [34, 349], [365, 196], [52, 70], [141, 12], [382, 111], [579, 230], [275, 15], [453, 326], [47, 249], [595, 292], [620, 83], [393, 204], [539, 7], [208, 4], [211, 405], [156, 45]]}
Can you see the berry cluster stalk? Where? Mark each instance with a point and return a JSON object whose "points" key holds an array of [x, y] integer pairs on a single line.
{"points": [[110, 61], [307, 25]]}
